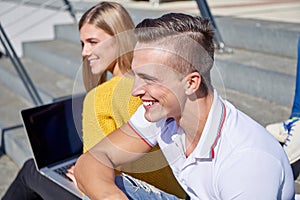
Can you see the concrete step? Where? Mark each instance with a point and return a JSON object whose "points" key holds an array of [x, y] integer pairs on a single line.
{"points": [[62, 56], [67, 32], [24, 22], [49, 83], [8, 171], [267, 76], [13, 141], [258, 35], [261, 110], [273, 37], [17, 146], [10, 106]]}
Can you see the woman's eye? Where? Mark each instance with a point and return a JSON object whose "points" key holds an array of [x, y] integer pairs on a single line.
{"points": [[93, 42]]}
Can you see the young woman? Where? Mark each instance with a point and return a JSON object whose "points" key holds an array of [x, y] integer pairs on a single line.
{"points": [[103, 38], [108, 103]]}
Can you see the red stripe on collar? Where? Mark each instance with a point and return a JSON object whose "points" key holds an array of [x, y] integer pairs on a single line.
{"points": [[222, 120]]}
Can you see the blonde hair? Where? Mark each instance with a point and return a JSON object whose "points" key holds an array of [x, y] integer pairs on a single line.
{"points": [[113, 19]]}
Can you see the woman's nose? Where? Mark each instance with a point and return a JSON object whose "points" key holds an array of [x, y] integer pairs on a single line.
{"points": [[85, 51]]}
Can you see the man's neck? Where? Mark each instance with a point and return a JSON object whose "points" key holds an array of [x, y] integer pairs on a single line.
{"points": [[194, 119]]}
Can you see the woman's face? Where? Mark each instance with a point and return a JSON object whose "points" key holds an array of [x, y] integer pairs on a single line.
{"points": [[98, 48]]}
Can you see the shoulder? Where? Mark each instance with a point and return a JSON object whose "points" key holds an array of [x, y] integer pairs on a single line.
{"points": [[89, 97], [242, 131], [248, 152], [252, 174], [99, 95], [108, 85]]}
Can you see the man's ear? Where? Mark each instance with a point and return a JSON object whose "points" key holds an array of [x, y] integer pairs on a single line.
{"points": [[193, 81]]}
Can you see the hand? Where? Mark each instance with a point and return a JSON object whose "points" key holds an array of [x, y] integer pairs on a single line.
{"points": [[70, 174]]}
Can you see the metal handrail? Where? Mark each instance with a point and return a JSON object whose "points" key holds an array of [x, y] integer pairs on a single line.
{"points": [[205, 12], [71, 10], [18, 65], [30, 87]]}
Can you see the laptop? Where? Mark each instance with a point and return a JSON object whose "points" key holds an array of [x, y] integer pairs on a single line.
{"points": [[54, 133]]}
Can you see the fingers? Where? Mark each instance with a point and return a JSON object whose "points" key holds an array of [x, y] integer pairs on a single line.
{"points": [[70, 174], [71, 169]]}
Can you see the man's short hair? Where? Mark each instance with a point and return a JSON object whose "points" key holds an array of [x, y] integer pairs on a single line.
{"points": [[189, 38]]}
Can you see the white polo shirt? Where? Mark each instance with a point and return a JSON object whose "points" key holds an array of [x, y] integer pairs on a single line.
{"points": [[236, 158]]}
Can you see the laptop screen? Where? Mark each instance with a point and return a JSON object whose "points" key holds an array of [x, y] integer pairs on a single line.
{"points": [[54, 130]]}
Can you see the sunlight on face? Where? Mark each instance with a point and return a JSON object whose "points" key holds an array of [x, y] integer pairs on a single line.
{"points": [[158, 85], [99, 48]]}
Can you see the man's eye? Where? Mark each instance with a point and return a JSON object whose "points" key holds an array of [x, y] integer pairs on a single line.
{"points": [[149, 81]]}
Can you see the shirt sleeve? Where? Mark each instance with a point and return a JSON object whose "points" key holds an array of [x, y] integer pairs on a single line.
{"points": [[251, 174], [148, 131]]}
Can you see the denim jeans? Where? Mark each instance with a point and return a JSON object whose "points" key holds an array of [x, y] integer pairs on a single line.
{"points": [[139, 190], [296, 104]]}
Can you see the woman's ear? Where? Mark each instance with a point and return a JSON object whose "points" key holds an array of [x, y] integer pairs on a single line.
{"points": [[193, 81]]}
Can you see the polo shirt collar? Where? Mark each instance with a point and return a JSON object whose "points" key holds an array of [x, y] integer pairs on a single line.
{"points": [[212, 129]]}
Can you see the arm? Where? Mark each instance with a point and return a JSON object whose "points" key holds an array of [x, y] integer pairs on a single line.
{"points": [[94, 170]]}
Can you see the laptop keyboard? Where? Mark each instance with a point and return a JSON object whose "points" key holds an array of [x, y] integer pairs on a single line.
{"points": [[63, 170]]}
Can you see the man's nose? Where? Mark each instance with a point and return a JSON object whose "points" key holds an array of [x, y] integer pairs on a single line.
{"points": [[138, 87]]}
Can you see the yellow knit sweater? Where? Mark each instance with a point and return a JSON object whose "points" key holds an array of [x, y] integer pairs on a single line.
{"points": [[111, 105]]}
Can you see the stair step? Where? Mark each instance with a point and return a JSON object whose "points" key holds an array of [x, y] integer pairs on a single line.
{"points": [[10, 106], [67, 32], [62, 56], [266, 76], [17, 146], [279, 38], [261, 110], [49, 83]]}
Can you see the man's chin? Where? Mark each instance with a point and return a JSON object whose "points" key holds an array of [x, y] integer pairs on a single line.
{"points": [[153, 117]]}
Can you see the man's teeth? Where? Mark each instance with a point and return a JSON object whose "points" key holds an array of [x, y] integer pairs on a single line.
{"points": [[148, 103]]}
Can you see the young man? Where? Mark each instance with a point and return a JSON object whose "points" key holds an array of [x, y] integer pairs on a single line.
{"points": [[214, 150]]}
